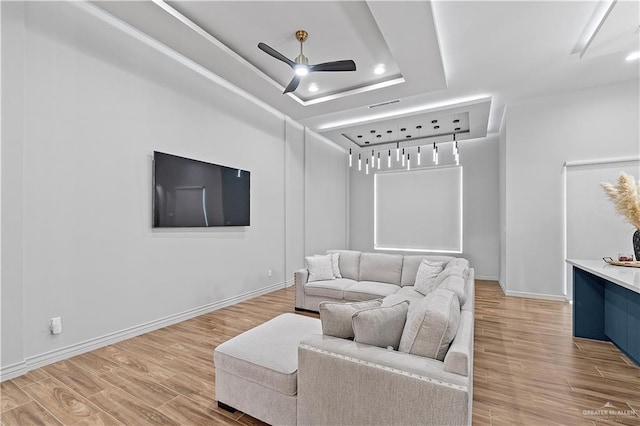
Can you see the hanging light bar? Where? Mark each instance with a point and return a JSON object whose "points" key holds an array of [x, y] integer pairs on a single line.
{"points": [[435, 153], [402, 157], [389, 160], [373, 159], [408, 161], [456, 150], [367, 166], [378, 160], [418, 156], [350, 159], [398, 152], [359, 162]]}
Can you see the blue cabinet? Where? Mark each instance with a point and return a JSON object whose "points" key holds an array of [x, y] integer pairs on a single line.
{"points": [[603, 310], [615, 314]]}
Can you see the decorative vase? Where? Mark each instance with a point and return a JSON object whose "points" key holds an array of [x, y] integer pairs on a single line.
{"points": [[636, 244]]}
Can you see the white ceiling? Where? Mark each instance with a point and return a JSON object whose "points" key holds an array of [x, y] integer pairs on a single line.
{"points": [[444, 59]]}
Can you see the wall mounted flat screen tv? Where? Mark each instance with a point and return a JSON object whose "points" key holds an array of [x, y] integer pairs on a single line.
{"points": [[192, 193]]}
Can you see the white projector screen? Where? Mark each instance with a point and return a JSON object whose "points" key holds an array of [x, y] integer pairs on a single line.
{"points": [[419, 210]]}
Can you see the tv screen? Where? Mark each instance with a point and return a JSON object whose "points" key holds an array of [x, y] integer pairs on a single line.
{"points": [[192, 193]]}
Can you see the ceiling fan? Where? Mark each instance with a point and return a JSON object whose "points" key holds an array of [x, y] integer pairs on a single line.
{"points": [[301, 64]]}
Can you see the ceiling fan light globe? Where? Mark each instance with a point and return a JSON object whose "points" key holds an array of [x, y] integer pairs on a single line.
{"points": [[301, 70]]}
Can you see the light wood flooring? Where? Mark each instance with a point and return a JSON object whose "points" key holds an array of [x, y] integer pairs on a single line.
{"points": [[529, 370]]}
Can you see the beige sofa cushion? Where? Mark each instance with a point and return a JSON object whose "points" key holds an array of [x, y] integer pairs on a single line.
{"points": [[457, 285], [431, 325], [380, 326], [367, 290], [333, 289], [410, 265], [458, 271], [410, 293], [349, 263], [458, 262], [380, 267], [336, 317]]}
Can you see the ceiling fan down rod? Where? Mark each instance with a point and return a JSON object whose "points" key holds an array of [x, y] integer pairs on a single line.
{"points": [[301, 36]]}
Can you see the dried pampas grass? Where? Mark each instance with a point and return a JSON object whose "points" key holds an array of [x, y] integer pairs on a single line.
{"points": [[625, 196]]}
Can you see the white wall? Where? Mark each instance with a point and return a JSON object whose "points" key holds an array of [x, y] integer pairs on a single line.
{"points": [[544, 133], [502, 172], [97, 103], [479, 158], [325, 195], [11, 179]]}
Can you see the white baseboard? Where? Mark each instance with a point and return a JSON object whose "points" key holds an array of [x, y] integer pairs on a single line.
{"points": [[535, 295], [502, 286], [36, 361], [486, 278]]}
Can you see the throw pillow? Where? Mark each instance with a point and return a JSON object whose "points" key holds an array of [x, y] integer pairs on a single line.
{"points": [[336, 317], [319, 268], [380, 327], [426, 276], [335, 265], [432, 325], [457, 271], [457, 285]]}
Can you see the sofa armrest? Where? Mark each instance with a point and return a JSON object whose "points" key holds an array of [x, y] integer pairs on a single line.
{"points": [[300, 278], [343, 382]]}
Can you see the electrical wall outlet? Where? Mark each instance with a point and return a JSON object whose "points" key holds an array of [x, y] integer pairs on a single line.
{"points": [[270, 272], [55, 325]]}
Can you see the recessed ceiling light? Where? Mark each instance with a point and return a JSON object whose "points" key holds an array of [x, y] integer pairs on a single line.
{"points": [[366, 143], [373, 131], [403, 129], [456, 129], [434, 121], [418, 127], [456, 121], [633, 56], [389, 131], [436, 127], [378, 136], [313, 87], [379, 69], [359, 136]]}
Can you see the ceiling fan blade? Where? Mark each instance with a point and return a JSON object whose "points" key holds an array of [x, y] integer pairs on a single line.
{"points": [[346, 65], [293, 85], [273, 52]]}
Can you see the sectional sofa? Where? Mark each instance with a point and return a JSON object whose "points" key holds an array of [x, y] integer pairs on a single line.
{"points": [[291, 370], [368, 276]]}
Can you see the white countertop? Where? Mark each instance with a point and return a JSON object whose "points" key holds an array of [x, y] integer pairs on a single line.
{"points": [[624, 276]]}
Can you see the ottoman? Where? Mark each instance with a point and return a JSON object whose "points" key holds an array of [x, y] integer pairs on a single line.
{"points": [[256, 371]]}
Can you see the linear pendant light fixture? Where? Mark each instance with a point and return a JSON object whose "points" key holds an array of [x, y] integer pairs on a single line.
{"points": [[403, 159]]}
